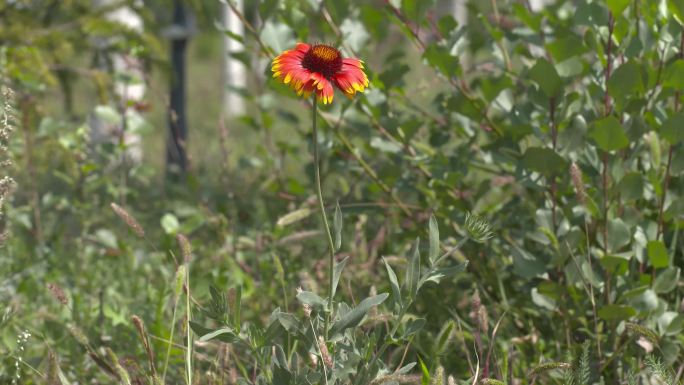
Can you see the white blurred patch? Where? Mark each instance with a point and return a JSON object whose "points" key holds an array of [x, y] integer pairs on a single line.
{"points": [[645, 344], [122, 123], [539, 5]]}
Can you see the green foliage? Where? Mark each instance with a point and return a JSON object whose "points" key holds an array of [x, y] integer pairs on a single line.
{"points": [[561, 126]]}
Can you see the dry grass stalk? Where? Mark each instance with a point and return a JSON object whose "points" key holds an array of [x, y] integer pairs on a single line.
{"points": [[578, 184], [130, 221], [545, 367], [185, 247], [58, 293], [53, 369], [305, 307], [325, 354], [397, 378], [140, 326]]}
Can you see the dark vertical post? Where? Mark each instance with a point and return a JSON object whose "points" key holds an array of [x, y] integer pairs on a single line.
{"points": [[176, 156]]}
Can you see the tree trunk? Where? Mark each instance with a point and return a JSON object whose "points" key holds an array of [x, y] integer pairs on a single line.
{"points": [[176, 154], [234, 70]]}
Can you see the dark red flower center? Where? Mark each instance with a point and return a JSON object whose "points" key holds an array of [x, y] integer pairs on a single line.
{"points": [[323, 59]]}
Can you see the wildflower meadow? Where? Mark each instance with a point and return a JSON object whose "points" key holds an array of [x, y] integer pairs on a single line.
{"points": [[341, 192]]}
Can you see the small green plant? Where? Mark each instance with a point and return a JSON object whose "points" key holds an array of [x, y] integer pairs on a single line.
{"points": [[303, 348]]}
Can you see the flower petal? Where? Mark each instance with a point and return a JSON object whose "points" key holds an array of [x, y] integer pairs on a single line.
{"points": [[351, 78], [289, 69], [324, 88]]}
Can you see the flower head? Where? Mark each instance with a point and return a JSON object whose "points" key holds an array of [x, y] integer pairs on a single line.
{"points": [[316, 68], [478, 228]]}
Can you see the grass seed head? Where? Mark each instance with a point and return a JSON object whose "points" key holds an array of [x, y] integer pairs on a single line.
{"points": [[185, 247], [58, 293], [325, 354], [578, 184], [130, 221]]}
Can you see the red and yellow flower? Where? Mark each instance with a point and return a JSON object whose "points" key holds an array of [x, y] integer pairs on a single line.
{"points": [[316, 68]]}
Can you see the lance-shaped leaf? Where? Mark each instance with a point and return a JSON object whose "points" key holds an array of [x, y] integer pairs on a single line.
{"points": [[313, 299], [354, 317], [413, 271], [394, 283], [223, 334], [337, 271], [337, 227], [434, 239]]}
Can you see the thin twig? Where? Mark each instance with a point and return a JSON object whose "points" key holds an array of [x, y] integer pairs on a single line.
{"points": [[666, 181]]}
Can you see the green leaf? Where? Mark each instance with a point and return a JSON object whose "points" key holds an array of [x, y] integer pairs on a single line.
{"points": [[355, 33], [275, 330], [566, 47], [545, 75], [542, 300], [653, 141], [413, 271], [337, 226], [337, 271], [394, 283], [531, 19], [441, 59], [674, 328], [435, 275], [200, 330], [106, 238], [446, 24], [237, 308], [415, 9], [170, 224], [223, 334], [646, 301], [288, 321], [443, 336], [673, 76], [619, 234], [609, 134], [673, 128], [657, 254], [626, 82], [385, 145], [525, 264], [414, 326], [631, 186], [354, 317], [667, 280], [617, 6], [309, 298], [426, 372], [434, 239], [616, 312], [616, 264], [277, 35], [677, 7], [544, 161]]}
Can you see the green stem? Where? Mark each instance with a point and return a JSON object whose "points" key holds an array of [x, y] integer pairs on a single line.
{"points": [[170, 341], [321, 206], [188, 351]]}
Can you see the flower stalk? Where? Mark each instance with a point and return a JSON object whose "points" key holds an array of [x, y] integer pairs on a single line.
{"points": [[321, 206]]}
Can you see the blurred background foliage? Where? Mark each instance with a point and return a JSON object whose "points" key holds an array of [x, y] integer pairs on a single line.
{"points": [[559, 121]]}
